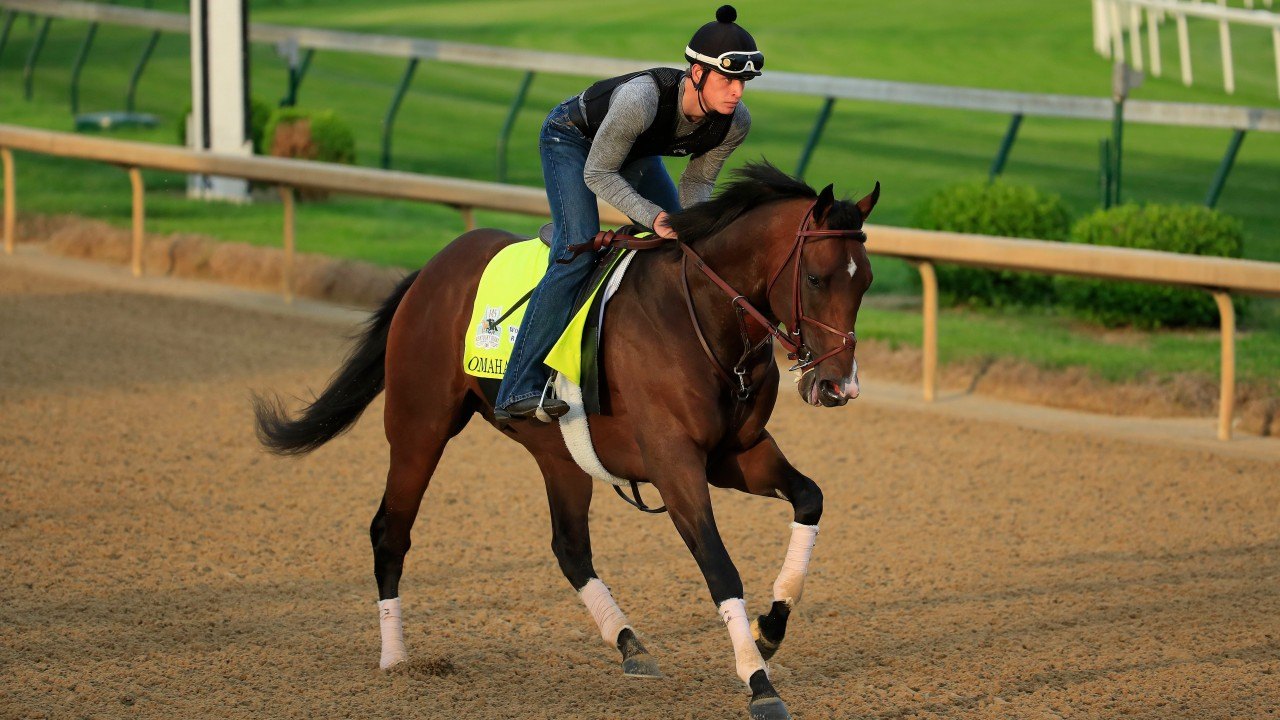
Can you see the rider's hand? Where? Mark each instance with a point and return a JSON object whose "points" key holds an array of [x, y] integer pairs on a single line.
{"points": [[662, 226]]}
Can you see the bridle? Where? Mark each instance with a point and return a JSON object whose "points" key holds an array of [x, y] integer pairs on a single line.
{"points": [[791, 338]]}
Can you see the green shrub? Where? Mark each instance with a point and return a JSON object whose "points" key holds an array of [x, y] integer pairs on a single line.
{"points": [[1189, 229], [1001, 209], [259, 113], [314, 135]]}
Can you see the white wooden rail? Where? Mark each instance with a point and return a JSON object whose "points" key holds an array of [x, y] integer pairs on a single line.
{"points": [[976, 99], [1114, 18], [1220, 276]]}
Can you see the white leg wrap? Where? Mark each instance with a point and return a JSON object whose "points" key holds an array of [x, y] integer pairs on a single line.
{"points": [[734, 613], [393, 651], [790, 583], [608, 616]]}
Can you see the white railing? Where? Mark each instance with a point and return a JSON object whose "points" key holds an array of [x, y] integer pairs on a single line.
{"points": [[1114, 19]]}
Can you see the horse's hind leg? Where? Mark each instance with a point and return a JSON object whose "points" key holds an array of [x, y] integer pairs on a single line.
{"points": [[763, 470], [417, 442], [569, 496]]}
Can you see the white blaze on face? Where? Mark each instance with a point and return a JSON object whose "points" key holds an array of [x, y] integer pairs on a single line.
{"points": [[849, 386], [853, 266]]}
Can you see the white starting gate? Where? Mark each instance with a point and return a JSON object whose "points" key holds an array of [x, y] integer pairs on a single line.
{"points": [[1114, 19], [219, 119]]}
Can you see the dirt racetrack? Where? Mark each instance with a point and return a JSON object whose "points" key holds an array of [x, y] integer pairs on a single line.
{"points": [[157, 564]]}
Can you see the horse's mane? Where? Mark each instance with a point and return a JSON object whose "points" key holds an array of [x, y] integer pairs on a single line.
{"points": [[754, 184]]}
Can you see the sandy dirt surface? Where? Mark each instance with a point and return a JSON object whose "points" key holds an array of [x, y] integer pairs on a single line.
{"points": [[155, 563]]}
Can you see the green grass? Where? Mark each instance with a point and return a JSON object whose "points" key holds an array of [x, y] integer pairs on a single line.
{"points": [[449, 122], [1055, 342]]}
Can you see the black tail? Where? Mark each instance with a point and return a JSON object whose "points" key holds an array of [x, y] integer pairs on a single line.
{"points": [[350, 391]]}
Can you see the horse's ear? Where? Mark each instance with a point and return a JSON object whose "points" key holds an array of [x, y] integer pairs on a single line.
{"points": [[826, 201], [867, 203]]}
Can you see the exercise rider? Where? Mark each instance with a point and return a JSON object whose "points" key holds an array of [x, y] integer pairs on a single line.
{"points": [[607, 142]]}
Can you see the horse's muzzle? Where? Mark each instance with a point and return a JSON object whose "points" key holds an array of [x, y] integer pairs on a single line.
{"points": [[823, 393]]}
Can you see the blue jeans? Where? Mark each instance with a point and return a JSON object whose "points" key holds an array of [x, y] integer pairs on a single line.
{"points": [[573, 211]]}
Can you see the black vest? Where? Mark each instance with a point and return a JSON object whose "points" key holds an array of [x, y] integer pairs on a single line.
{"points": [[660, 137]]}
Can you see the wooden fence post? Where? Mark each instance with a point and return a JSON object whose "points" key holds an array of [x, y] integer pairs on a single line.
{"points": [[1227, 394], [139, 218], [286, 272], [929, 279], [10, 209]]}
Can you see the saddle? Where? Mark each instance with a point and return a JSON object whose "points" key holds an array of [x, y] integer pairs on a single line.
{"points": [[581, 340]]}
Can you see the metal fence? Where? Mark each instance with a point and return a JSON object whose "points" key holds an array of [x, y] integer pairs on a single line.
{"points": [[1219, 276]]}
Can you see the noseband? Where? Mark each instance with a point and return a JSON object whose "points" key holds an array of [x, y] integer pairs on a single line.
{"points": [[792, 338]]}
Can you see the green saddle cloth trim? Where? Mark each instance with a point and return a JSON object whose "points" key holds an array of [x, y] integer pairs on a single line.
{"points": [[512, 273]]}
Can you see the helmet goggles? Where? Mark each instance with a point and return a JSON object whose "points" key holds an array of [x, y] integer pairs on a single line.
{"points": [[737, 63]]}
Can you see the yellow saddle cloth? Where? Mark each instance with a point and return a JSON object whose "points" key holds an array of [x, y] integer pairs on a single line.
{"points": [[512, 273]]}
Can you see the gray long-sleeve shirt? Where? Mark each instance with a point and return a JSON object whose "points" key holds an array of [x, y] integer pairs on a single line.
{"points": [[632, 109]]}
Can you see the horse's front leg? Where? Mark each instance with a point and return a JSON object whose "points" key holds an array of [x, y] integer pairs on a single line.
{"points": [[680, 476], [763, 470]]}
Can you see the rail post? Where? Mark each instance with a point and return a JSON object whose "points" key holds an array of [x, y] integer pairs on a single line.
{"points": [[9, 17], [814, 136], [10, 204], [1184, 49], [1224, 169], [1228, 65], [505, 136], [389, 120], [139, 218], [29, 70], [1153, 42], [132, 91], [1006, 145], [286, 272], [1117, 149], [78, 66], [468, 218], [297, 71], [929, 340], [1104, 172], [1227, 394], [1275, 44]]}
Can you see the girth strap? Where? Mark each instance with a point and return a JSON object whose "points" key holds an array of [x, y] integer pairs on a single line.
{"points": [[638, 503]]}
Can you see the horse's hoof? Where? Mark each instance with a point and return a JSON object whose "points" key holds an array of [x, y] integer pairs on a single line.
{"points": [[392, 661], [636, 661], [769, 708], [641, 665], [766, 647]]}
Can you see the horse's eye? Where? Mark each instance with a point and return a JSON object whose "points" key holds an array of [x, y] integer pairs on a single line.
{"points": [[813, 281]]}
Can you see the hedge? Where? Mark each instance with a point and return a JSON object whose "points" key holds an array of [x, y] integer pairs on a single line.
{"points": [[1002, 209], [1190, 229]]}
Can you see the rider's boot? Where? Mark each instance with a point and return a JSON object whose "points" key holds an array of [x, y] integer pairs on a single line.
{"points": [[528, 408]]}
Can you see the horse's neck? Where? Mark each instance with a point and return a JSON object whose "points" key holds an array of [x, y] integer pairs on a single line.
{"points": [[744, 254], [747, 252]]}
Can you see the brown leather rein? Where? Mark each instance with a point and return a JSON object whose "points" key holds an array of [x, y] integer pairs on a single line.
{"points": [[792, 338]]}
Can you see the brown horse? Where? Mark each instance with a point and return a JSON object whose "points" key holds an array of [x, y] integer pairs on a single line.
{"points": [[768, 250]]}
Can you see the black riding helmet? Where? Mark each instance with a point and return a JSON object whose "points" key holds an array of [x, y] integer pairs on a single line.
{"points": [[725, 47]]}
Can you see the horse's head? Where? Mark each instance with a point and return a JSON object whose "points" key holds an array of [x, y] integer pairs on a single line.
{"points": [[817, 294], [813, 250]]}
